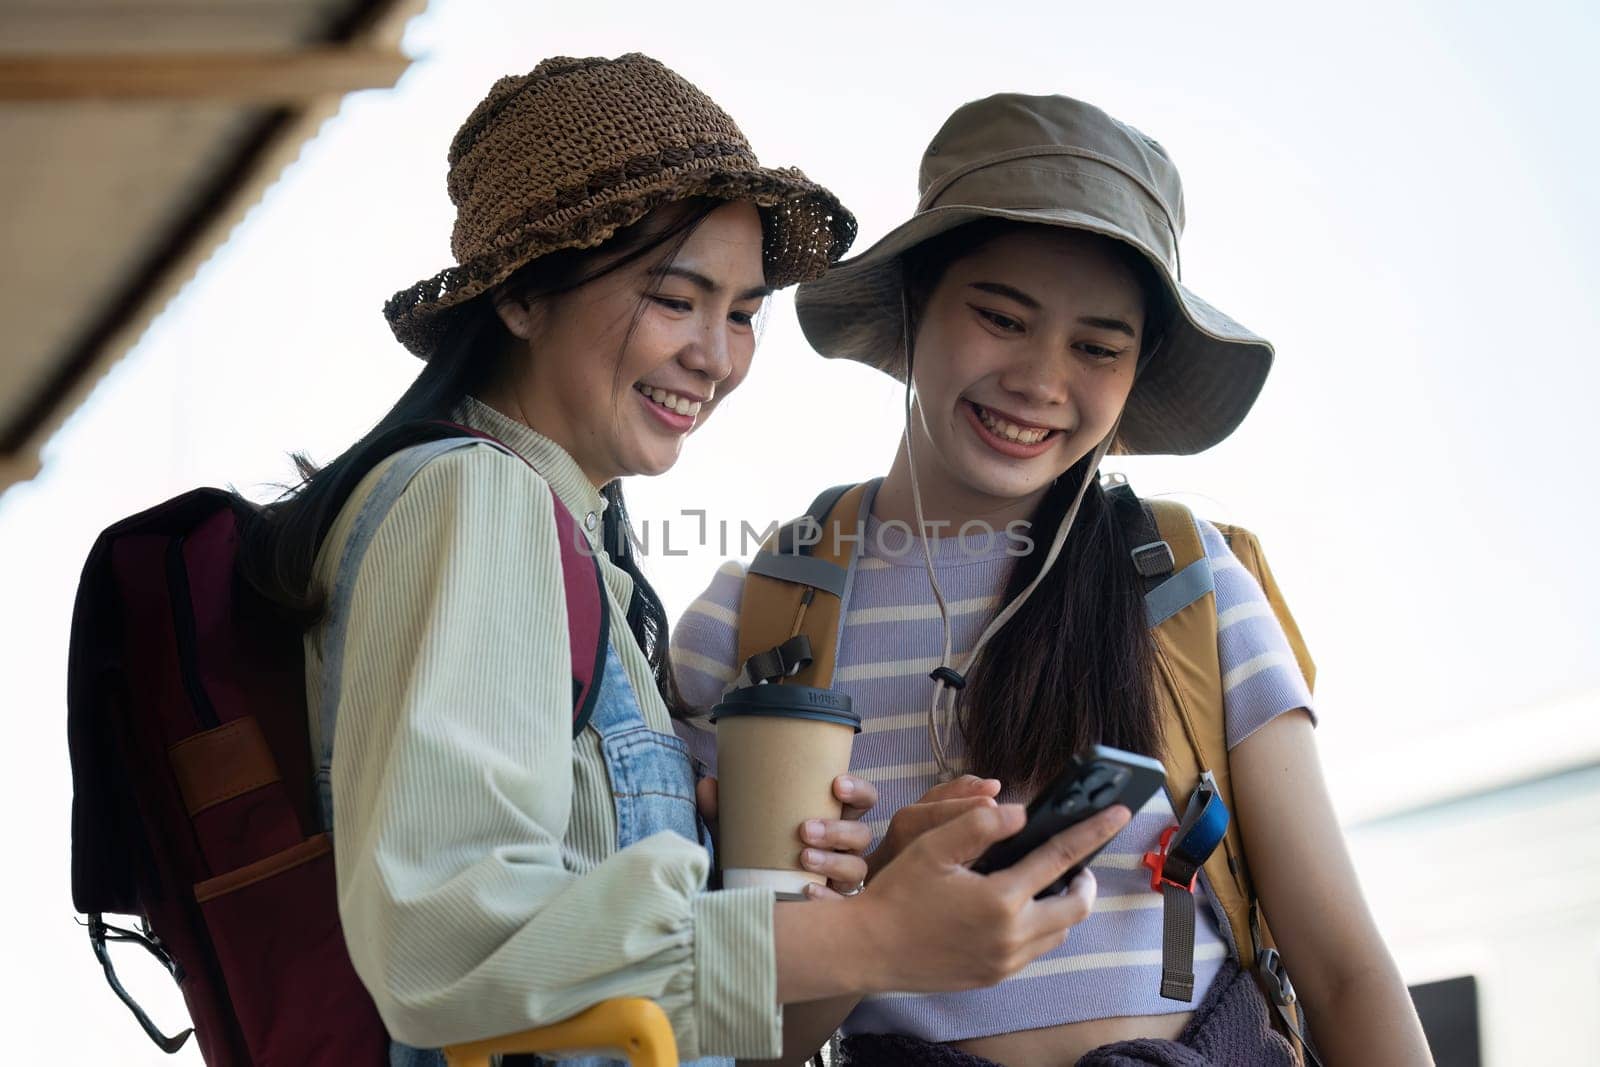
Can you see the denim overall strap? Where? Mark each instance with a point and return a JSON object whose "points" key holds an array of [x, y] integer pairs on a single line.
{"points": [[652, 773]]}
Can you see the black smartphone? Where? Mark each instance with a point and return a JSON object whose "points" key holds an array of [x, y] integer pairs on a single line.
{"points": [[1094, 781]]}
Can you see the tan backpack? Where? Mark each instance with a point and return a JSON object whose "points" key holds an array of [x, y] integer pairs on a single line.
{"points": [[793, 603]]}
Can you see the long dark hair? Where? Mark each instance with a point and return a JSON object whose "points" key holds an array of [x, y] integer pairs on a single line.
{"points": [[280, 540], [1075, 665]]}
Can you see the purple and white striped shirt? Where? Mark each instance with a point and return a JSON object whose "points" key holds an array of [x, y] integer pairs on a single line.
{"points": [[1111, 965]]}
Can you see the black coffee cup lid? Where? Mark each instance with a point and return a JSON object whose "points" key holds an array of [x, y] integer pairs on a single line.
{"points": [[789, 702]]}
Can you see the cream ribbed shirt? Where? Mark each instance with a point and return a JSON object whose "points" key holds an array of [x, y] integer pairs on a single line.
{"points": [[480, 885]]}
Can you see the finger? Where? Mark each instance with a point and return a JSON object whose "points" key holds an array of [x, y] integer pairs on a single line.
{"points": [[813, 891], [965, 786], [845, 868], [1051, 937], [841, 835], [1047, 862], [985, 787], [920, 818], [968, 785], [858, 795], [963, 839], [1056, 915], [1073, 904], [705, 798]]}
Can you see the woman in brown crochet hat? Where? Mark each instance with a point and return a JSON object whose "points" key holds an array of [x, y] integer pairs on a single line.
{"points": [[615, 239], [1032, 305]]}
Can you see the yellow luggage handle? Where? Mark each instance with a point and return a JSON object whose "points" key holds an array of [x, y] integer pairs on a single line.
{"points": [[635, 1027]]}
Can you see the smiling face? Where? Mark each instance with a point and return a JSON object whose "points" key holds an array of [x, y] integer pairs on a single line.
{"points": [[1025, 354], [621, 369]]}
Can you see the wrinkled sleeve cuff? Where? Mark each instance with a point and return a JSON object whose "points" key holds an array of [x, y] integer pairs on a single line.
{"points": [[736, 974]]}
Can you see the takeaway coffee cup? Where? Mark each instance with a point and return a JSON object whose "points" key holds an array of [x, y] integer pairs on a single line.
{"points": [[779, 748]]}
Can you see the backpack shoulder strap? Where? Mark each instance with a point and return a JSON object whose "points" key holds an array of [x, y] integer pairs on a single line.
{"points": [[1189, 676], [1180, 601], [1181, 605], [588, 615], [1195, 731], [791, 611]]}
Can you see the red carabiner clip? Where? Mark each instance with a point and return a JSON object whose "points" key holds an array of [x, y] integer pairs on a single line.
{"points": [[1157, 862]]}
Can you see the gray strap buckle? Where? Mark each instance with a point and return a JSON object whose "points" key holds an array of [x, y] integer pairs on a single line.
{"points": [[1275, 980], [1270, 966], [1154, 560]]}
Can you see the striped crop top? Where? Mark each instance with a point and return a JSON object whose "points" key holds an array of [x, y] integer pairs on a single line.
{"points": [[1111, 965]]}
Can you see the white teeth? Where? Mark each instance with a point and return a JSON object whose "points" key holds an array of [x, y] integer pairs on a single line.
{"points": [[682, 405], [1010, 430]]}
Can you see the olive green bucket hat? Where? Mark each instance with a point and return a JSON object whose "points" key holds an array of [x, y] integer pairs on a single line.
{"points": [[1056, 161]]}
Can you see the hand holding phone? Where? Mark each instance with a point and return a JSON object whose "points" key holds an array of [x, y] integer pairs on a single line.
{"points": [[1094, 781]]}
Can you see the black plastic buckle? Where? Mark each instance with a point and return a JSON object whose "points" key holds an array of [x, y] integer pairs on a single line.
{"points": [[785, 661], [101, 932]]}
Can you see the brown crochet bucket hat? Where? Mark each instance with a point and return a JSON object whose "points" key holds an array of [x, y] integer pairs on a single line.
{"points": [[568, 154], [1055, 161]]}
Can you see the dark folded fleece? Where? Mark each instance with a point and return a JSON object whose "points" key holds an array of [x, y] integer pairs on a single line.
{"points": [[1232, 1027]]}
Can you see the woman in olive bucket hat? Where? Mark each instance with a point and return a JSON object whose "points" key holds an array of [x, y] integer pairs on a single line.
{"points": [[1033, 307], [614, 239]]}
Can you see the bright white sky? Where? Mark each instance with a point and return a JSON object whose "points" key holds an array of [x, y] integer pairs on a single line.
{"points": [[1398, 195]]}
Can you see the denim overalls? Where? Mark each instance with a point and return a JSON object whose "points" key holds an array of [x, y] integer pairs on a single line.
{"points": [[652, 778]]}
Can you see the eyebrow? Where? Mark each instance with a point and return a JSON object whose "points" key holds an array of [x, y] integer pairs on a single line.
{"points": [[1107, 324], [1009, 292], [1012, 293], [700, 281]]}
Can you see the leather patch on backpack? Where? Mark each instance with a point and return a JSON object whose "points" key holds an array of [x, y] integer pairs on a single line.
{"points": [[222, 763]]}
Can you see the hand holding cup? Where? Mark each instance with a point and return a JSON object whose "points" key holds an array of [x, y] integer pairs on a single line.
{"points": [[834, 848], [780, 751]]}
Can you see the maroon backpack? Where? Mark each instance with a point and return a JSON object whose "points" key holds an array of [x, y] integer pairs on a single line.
{"points": [[194, 805]]}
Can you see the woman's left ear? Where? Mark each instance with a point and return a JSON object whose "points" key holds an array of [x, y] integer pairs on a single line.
{"points": [[519, 317]]}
